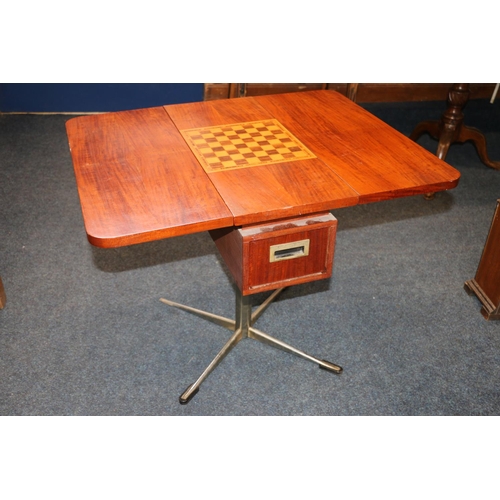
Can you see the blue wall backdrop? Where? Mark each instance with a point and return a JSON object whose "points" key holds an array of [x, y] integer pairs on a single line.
{"points": [[89, 97]]}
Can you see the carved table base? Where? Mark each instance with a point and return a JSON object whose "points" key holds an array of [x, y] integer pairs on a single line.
{"points": [[450, 128]]}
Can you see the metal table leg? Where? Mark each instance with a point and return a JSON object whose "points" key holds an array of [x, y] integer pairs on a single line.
{"points": [[242, 328]]}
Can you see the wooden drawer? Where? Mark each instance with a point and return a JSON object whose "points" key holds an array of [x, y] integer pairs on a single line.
{"points": [[273, 255]]}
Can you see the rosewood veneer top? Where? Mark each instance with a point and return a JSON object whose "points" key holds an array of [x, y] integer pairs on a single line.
{"points": [[166, 171]]}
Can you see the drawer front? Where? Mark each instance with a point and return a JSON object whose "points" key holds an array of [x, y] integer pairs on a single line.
{"points": [[296, 255]]}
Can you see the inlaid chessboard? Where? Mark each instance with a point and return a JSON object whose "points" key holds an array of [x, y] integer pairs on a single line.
{"points": [[242, 145]]}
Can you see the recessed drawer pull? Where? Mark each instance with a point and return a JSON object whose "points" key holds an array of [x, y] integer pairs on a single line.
{"points": [[291, 250]]}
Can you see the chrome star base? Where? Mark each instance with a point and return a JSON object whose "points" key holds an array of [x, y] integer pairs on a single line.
{"points": [[242, 328]]}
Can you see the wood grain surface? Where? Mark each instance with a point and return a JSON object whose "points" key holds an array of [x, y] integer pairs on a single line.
{"points": [[246, 252], [138, 181], [268, 192], [377, 161]]}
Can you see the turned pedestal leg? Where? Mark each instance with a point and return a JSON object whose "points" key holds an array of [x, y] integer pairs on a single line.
{"points": [[451, 129]]}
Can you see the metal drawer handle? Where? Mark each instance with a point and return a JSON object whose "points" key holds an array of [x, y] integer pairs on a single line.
{"points": [[292, 250]]}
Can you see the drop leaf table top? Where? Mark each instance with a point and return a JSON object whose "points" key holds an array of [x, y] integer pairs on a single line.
{"points": [[166, 171]]}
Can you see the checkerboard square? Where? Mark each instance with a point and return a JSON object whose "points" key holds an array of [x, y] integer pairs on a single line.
{"points": [[242, 145]]}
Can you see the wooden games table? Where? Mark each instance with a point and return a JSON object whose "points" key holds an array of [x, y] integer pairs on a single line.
{"points": [[261, 174]]}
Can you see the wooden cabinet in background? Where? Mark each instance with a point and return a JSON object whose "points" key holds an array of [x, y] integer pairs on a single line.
{"points": [[486, 284], [3, 298], [358, 92]]}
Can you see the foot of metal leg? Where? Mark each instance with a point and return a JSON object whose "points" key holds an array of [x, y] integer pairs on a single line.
{"points": [[188, 395], [326, 365]]}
